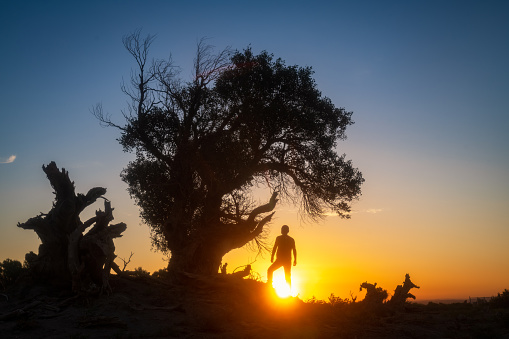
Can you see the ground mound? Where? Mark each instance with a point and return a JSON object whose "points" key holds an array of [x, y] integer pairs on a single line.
{"points": [[227, 307]]}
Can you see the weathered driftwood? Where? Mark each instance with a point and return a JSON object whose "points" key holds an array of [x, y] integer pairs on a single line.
{"points": [[374, 294], [67, 255], [243, 273], [377, 295], [401, 293]]}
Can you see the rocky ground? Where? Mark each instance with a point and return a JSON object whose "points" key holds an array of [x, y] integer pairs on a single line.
{"points": [[144, 307]]}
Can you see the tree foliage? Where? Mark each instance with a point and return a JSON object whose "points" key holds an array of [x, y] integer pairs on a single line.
{"points": [[244, 120], [10, 270]]}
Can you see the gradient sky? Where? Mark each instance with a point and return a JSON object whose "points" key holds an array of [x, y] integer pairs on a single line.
{"points": [[428, 82]]}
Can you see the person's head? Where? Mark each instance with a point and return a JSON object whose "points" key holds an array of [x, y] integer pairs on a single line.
{"points": [[285, 229]]}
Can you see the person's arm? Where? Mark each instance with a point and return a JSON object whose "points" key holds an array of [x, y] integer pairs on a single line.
{"points": [[274, 250], [294, 254]]}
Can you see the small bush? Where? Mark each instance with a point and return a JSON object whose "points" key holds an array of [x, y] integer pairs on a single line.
{"points": [[140, 272], [337, 301], [10, 271], [160, 274], [315, 301], [501, 300]]}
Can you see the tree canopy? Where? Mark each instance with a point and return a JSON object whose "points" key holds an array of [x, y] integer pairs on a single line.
{"points": [[244, 120]]}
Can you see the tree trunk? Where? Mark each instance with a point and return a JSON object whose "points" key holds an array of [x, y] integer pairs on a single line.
{"points": [[196, 258], [202, 253]]}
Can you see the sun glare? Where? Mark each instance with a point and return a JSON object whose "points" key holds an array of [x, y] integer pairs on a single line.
{"points": [[283, 290]]}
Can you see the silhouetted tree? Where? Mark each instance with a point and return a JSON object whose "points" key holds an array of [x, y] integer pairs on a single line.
{"points": [[201, 146]]}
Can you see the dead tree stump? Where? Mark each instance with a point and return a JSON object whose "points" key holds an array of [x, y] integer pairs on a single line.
{"points": [[374, 295], [402, 292], [66, 255]]}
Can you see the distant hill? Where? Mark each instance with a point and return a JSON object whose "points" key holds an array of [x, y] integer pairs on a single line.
{"points": [[440, 301]]}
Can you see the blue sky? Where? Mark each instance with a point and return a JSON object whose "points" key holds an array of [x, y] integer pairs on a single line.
{"points": [[428, 82]]}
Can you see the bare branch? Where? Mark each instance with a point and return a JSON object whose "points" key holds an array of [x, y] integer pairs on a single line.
{"points": [[126, 262], [138, 47], [141, 96], [263, 208], [104, 119], [208, 66]]}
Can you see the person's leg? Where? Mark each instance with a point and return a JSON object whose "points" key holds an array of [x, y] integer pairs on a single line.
{"points": [[270, 271], [288, 273]]}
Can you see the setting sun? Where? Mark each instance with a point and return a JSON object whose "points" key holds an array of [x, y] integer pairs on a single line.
{"points": [[283, 290]]}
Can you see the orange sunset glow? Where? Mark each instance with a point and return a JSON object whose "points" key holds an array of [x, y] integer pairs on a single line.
{"points": [[151, 153], [426, 84]]}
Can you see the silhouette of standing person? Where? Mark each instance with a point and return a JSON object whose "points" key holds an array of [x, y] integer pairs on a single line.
{"points": [[283, 249]]}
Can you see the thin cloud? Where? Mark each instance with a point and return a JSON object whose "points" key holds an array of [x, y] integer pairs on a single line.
{"points": [[334, 214], [330, 214], [370, 211], [8, 160]]}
